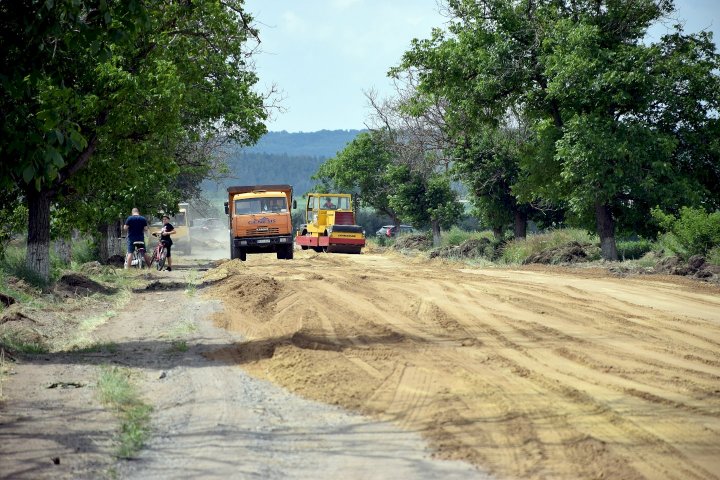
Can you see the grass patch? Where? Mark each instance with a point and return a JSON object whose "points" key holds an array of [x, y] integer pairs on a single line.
{"points": [[82, 340], [178, 346], [177, 332], [456, 236], [191, 280], [117, 391], [16, 342], [516, 251], [182, 328], [13, 264]]}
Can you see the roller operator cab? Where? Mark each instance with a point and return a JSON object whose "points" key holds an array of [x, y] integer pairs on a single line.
{"points": [[330, 224], [260, 220]]}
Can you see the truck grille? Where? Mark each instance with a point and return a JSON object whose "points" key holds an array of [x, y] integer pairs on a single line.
{"points": [[262, 231]]}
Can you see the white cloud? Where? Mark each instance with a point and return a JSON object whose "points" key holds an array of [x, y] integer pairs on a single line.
{"points": [[294, 23], [344, 4]]}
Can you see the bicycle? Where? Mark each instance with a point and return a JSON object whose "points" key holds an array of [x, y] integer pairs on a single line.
{"points": [[159, 254], [138, 255]]}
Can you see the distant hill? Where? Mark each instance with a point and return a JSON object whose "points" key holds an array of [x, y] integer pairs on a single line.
{"points": [[324, 143], [282, 157]]}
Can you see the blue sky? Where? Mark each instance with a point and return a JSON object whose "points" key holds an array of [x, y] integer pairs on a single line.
{"points": [[323, 54]]}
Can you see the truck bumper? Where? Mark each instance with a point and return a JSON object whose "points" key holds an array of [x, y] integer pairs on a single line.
{"points": [[262, 243]]}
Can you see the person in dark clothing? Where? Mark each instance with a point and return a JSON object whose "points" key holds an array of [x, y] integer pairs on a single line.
{"points": [[165, 234], [135, 225], [329, 205]]}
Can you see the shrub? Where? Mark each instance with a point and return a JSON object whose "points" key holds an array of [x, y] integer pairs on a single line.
{"points": [[517, 250], [695, 231], [713, 256], [456, 236]]}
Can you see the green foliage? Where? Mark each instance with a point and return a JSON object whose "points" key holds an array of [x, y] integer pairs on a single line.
{"points": [[15, 218], [361, 168], [615, 124], [455, 236], [421, 200], [106, 102], [84, 250], [696, 231], [634, 249], [517, 250], [713, 256]]}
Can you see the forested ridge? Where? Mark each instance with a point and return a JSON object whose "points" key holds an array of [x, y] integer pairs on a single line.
{"points": [[323, 143], [280, 157]]}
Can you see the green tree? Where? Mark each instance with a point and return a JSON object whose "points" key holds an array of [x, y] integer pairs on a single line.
{"points": [[616, 123], [362, 168], [102, 94], [488, 163], [424, 200]]}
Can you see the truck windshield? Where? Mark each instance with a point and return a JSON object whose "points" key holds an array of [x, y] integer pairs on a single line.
{"points": [[260, 205]]}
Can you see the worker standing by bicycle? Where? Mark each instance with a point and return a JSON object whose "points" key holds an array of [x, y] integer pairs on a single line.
{"points": [[165, 233], [135, 225]]}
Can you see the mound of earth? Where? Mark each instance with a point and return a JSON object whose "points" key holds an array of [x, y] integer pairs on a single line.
{"points": [[413, 242], [75, 284], [573, 252], [21, 328], [93, 268], [6, 300], [116, 261], [223, 269], [472, 248], [696, 266]]}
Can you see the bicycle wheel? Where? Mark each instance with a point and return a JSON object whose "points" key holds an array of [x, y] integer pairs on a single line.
{"points": [[161, 259], [139, 259]]}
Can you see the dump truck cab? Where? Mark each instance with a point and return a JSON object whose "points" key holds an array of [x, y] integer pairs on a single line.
{"points": [[330, 224], [259, 220]]}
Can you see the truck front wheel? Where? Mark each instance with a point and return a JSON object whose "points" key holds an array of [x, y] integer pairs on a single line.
{"points": [[242, 254]]}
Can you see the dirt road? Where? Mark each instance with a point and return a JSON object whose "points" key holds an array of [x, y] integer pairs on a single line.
{"points": [[529, 373], [378, 363]]}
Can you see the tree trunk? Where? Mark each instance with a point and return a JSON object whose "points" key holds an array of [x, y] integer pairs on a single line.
{"points": [[63, 248], [606, 231], [497, 232], [38, 241], [110, 243], [520, 224], [435, 232]]}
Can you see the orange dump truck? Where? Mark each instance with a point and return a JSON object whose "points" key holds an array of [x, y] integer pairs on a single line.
{"points": [[260, 220]]}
